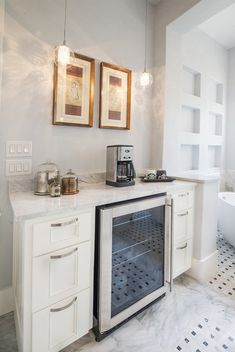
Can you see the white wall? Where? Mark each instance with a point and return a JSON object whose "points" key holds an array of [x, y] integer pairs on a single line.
{"points": [[109, 30], [165, 12], [230, 140], [199, 52]]}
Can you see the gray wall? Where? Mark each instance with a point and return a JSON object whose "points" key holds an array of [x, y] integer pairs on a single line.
{"points": [[109, 30]]}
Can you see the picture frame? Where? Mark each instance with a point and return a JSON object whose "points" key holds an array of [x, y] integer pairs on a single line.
{"points": [[115, 97], [73, 101]]}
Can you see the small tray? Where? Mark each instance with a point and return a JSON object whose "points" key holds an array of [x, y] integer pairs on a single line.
{"points": [[167, 179]]}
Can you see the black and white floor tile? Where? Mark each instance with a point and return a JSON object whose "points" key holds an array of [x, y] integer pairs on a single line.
{"points": [[224, 280], [193, 318]]}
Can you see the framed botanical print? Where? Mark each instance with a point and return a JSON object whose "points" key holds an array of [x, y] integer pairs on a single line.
{"points": [[115, 97], [74, 92]]}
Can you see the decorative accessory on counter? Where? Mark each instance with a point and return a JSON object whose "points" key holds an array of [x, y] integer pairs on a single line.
{"points": [[63, 51], [151, 174], [115, 97], [156, 176], [55, 189], [70, 183], [74, 92], [161, 174], [146, 78], [44, 177]]}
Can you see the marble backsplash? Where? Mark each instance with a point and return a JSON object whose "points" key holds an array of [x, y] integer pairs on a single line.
{"points": [[25, 184]]}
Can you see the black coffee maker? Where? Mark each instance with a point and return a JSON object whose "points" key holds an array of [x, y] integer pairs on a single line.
{"points": [[120, 170]]}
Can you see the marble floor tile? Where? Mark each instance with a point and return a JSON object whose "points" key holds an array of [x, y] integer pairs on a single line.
{"points": [[193, 318]]}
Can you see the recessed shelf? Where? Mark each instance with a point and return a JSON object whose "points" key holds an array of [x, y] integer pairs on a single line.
{"points": [[191, 81], [214, 156], [215, 124], [190, 120], [189, 157], [215, 91]]}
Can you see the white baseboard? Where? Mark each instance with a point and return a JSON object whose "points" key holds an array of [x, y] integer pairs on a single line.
{"points": [[6, 301], [204, 269]]}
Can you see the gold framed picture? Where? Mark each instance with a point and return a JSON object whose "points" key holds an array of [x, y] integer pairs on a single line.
{"points": [[115, 97], [74, 92]]}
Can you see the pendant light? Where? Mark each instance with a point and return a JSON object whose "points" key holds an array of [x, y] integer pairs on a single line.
{"points": [[63, 51], [146, 78]]}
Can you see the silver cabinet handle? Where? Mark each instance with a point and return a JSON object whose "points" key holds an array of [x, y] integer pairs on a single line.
{"points": [[183, 247], [55, 310], [184, 214], [67, 223], [59, 256]]}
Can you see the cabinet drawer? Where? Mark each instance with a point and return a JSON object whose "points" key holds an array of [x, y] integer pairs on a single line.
{"points": [[60, 233], [183, 225], [183, 200], [182, 257], [60, 274], [59, 325]]}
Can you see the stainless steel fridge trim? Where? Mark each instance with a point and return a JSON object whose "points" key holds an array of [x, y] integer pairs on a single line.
{"points": [[172, 245], [140, 205], [105, 321]]}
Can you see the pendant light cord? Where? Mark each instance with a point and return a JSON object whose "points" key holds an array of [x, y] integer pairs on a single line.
{"points": [[65, 21], [146, 28]]}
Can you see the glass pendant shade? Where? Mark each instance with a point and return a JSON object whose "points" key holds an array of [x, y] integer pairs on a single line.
{"points": [[146, 79], [63, 54]]}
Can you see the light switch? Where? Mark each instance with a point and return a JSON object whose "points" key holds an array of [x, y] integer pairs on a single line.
{"points": [[18, 149], [16, 167]]}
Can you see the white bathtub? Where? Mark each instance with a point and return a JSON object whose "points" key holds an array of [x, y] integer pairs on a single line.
{"points": [[227, 216]]}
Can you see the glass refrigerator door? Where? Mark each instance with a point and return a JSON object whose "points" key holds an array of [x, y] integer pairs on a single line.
{"points": [[137, 256]]}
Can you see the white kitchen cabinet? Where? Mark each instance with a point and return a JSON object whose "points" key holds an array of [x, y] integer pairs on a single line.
{"points": [[183, 231], [59, 274], [53, 280], [58, 325], [182, 257]]}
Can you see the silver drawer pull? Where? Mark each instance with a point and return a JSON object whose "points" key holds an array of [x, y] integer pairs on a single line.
{"points": [[183, 247], [67, 223], [55, 310], [59, 256], [184, 214], [182, 195]]}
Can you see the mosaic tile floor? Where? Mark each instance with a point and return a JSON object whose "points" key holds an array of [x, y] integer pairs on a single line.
{"points": [[224, 281], [193, 318]]}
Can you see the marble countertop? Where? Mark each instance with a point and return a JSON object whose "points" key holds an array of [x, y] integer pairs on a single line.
{"points": [[26, 205], [198, 178]]}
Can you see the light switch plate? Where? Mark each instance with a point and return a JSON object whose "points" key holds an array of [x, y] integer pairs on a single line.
{"points": [[18, 149], [15, 167]]}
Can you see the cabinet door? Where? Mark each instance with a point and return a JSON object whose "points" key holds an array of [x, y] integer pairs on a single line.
{"points": [[60, 274], [183, 225], [59, 325], [60, 233], [182, 257], [183, 200]]}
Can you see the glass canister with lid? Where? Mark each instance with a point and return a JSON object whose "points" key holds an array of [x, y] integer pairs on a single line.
{"points": [[44, 177], [69, 183]]}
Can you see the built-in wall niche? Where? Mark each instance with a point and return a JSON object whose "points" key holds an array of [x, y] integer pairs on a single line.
{"points": [[215, 124], [215, 91], [190, 120], [189, 157], [214, 156], [191, 81]]}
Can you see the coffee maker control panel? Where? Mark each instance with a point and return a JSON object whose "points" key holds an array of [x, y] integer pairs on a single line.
{"points": [[125, 153]]}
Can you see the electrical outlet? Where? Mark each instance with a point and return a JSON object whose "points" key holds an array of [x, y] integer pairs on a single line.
{"points": [[18, 149], [15, 167]]}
